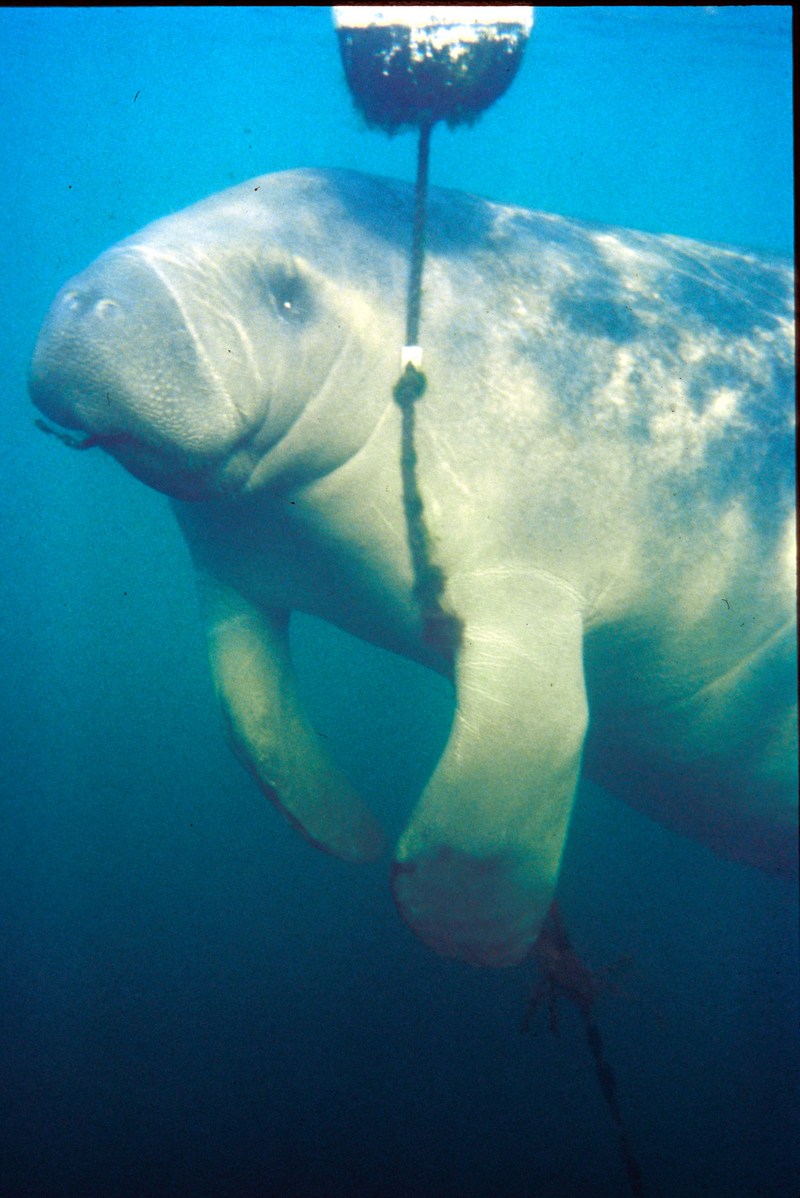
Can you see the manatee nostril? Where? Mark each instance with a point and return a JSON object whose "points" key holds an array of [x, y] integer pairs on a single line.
{"points": [[107, 309], [72, 300]]}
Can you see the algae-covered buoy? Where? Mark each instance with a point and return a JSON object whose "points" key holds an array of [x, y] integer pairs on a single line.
{"points": [[412, 66]]}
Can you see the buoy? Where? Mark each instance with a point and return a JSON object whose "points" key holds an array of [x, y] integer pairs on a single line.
{"points": [[409, 66]]}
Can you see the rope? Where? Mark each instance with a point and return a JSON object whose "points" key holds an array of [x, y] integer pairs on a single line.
{"points": [[441, 629], [608, 1085], [414, 303]]}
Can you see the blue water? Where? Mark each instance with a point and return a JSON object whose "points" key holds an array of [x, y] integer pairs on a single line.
{"points": [[194, 1002]]}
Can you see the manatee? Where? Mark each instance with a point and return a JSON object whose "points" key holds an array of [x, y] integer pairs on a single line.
{"points": [[604, 455]]}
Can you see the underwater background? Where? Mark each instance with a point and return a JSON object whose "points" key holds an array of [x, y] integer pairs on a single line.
{"points": [[192, 1000]]}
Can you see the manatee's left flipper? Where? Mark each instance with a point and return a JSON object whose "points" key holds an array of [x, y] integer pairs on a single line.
{"points": [[476, 868], [270, 733]]}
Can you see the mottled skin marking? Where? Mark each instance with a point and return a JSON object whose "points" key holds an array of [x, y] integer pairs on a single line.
{"points": [[605, 459]]}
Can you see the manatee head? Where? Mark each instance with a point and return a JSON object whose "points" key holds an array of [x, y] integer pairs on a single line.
{"points": [[192, 350]]}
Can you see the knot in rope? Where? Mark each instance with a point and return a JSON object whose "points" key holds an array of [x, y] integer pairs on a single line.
{"points": [[409, 387]]}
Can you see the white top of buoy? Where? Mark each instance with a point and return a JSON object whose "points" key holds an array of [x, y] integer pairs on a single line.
{"points": [[359, 16]]}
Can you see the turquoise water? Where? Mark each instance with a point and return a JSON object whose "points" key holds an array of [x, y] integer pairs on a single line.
{"points": [[193, 1001]]}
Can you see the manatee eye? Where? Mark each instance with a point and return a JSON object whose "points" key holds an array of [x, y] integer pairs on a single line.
{"points": [[290, 294]]}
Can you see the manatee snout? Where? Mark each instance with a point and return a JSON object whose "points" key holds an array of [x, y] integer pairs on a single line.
{"points": [[64, 373], [124, 356], [102, 348]]}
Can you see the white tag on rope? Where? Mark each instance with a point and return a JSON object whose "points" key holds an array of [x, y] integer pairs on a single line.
{"points": [[411, 355]]}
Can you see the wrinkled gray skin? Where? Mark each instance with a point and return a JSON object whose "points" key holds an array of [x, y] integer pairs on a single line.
{"points": [[605, 458]]}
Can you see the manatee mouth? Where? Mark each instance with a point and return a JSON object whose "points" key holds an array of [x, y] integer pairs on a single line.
{"points": [[144, 461], [89, 441]]}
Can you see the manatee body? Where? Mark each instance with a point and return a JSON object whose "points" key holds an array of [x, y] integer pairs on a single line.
{"points": [[605, 461]]}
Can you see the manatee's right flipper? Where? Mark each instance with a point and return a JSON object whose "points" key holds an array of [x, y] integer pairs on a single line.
{"points": [[255, 682], [476, 868]]}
